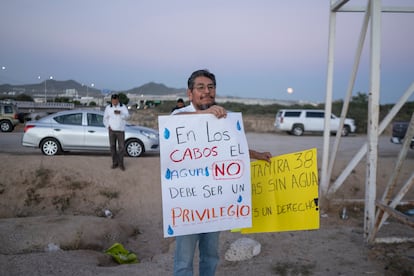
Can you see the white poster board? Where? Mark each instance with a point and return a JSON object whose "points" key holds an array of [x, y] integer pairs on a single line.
{"points": [[205, 174]]}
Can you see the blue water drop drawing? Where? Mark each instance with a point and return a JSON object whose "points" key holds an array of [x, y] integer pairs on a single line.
{"points": [[170, 230], [238, 125], [168, 174], [207, 173], [166, 133], [240, 199]]}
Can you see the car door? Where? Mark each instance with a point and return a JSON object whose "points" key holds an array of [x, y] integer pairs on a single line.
{"points": [[334, 124], [314, 120], [68, 129], [96, 135]]}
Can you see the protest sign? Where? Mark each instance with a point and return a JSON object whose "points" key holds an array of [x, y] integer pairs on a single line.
{"points": [[205, 174], [285, 193]]}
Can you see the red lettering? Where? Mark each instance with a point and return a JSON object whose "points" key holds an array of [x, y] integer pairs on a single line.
{"points": [[173, 158], [192, 153], [245, 213], [187, 152], [230, 211], [202, 214], [184, 216], [218, 170], [233, 168], [197, 154], [228, 169], [175, 215]]}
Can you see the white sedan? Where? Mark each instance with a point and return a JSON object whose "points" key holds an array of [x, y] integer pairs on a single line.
{"points": [[83, 130]]}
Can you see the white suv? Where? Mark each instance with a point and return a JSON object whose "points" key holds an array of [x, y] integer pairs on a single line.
{"points": [[298, 121]]}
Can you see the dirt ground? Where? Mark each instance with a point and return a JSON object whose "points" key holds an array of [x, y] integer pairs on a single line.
{"points": [[52, 222]]}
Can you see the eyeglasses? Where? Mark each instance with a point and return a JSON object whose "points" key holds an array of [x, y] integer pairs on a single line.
{"points": [[202, 87]]}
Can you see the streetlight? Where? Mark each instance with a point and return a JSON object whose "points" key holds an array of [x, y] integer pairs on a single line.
{"points": [[51, 77], [3, 68], [38, 77], [92, 85], [87, 89]]}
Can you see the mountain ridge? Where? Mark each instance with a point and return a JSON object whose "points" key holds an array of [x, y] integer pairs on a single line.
{"points": [[57, 86]]}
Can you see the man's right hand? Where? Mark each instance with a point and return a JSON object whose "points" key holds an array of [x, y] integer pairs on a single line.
{"points": [[216, 110]]}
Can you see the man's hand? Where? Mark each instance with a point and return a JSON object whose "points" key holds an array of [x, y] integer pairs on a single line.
{"points": [[216, 110], [260, 155]]}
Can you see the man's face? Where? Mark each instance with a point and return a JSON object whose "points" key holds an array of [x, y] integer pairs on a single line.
{"points": [[115, 101], [203, 94]]}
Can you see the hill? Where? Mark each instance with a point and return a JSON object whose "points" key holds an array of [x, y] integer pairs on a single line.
{"points": [[60, 87], [51, 86], [156, 89]]}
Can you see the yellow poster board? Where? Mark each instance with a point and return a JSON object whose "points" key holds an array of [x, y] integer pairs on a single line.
{"points": [[285, 193]]}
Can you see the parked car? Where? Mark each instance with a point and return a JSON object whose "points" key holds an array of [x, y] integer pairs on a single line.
{"points": [[298, 121], [83, 130], [399, 129], [9, 116]]}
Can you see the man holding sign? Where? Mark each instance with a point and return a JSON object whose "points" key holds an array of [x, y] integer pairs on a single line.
{"points": [[201, 92]]}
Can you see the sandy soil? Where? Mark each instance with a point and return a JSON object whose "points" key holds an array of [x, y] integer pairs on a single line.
{"points": [[49, 203]]}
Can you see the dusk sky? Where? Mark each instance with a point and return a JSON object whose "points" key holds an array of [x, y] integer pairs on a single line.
{"points": [[256, 49]]}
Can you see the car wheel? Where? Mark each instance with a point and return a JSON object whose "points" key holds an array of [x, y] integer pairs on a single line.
{"points": [[345, 131], [134, 148], [50, 146], [297, 130], [6, 126]]}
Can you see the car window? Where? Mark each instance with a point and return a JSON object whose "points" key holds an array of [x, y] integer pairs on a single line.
{"points": [[69, 119], [292, 113], [95, 120], [8, 109], [314, 114]]}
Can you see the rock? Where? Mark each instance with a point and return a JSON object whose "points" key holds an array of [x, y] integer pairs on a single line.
{"points": [[242, 249]]}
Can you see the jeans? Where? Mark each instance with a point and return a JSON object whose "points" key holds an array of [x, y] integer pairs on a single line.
{"points": [[184, 254], [117, 137]]}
